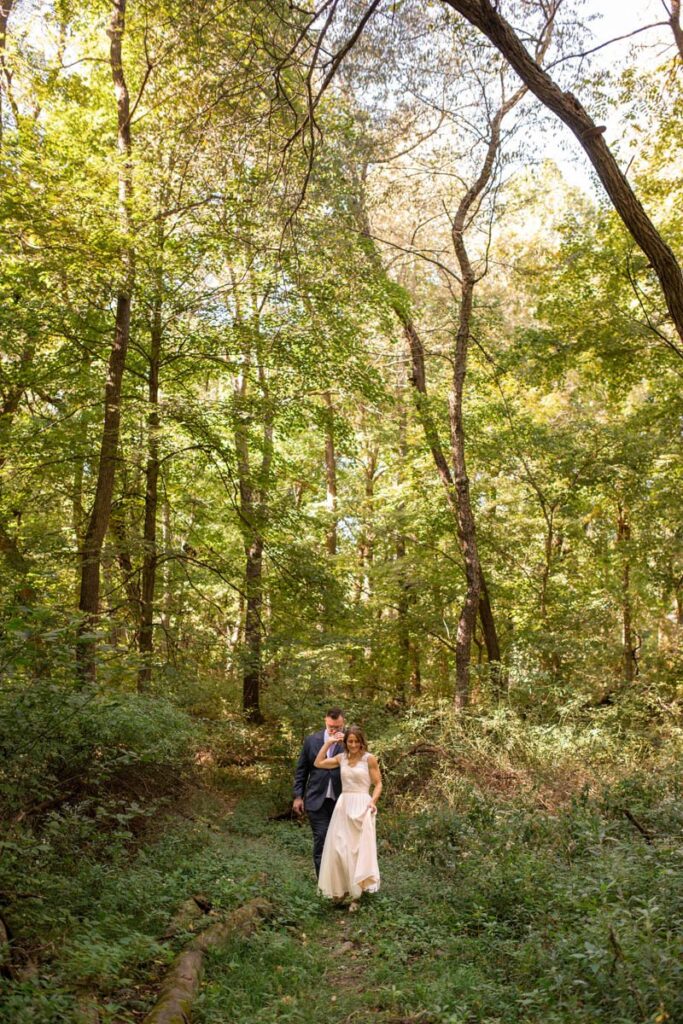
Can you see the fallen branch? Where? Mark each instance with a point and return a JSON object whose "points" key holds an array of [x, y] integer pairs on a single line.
{"points": [[647, 835], [287, 815], [181, 984]]}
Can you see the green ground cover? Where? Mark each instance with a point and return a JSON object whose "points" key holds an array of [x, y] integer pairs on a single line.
{"points": [[493, 912]]}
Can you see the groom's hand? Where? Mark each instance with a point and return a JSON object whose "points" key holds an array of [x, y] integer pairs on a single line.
{"points": [[298, 806]]}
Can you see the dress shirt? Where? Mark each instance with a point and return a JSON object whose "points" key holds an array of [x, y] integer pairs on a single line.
{"points": [[330, 787]]}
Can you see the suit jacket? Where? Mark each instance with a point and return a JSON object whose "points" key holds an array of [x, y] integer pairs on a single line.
{"points": [[311, 783]]}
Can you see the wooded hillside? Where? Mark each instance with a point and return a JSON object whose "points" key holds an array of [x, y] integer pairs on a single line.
{"points": [[327, 378]]}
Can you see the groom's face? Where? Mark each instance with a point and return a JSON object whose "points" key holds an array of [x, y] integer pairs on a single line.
{"points": [[334, 724]]}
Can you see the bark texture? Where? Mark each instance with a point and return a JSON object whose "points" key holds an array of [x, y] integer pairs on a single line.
{"points": [[150, 555]]}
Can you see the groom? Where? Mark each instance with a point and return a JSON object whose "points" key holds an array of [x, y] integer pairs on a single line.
{"points": [[319, 787]]}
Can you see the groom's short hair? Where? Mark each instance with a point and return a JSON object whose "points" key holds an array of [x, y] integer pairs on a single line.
{"points": [[335, 713]]}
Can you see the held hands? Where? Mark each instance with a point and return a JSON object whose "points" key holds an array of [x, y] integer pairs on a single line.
{"points": [[338, 737]]}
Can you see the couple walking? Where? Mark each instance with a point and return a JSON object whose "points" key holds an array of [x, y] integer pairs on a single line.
{"points": [[332, 783]]}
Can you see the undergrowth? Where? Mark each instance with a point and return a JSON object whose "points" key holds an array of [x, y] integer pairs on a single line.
{"points": [[522, 882]]}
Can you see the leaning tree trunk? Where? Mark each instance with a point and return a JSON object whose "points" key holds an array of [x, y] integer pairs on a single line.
{"points": [[98, 522], [484, 16], [418, 380]]}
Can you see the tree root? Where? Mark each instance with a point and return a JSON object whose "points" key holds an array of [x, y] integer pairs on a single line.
{"points": [[181, 984]]}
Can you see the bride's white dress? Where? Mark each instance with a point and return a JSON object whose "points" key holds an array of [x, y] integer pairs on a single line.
{"points": [[349, 861]]}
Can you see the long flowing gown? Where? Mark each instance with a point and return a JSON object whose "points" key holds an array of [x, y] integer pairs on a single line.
{"points": [[349, 861]]}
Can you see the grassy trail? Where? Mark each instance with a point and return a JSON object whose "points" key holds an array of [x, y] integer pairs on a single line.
{"points": [[498, 913], [494, 916]]}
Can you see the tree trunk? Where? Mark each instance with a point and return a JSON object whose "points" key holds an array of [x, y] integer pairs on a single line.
{"points": [[629, 655], [77, 511], [253, 512], [181, 983], [466, 527], [9, 547], [119, 539], [253, 627], [456, 488], [409, 665], [497, 673], [5, 73], [166, 597], [150, 556], [366, 548], [484, 16], [418, 379], [99, 518], [675, 22], [330, 478]]}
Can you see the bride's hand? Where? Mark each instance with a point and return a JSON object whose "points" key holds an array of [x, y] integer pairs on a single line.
{"points": [[373, 808]]}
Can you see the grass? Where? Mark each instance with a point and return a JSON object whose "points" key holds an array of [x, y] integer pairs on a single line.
{"points": [[496, 907], [495, 916]]}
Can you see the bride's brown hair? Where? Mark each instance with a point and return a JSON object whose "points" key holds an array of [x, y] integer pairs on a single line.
{"points": [[355, 730]]}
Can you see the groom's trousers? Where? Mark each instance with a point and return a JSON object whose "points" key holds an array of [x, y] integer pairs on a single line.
{"points": [[320, 820]]}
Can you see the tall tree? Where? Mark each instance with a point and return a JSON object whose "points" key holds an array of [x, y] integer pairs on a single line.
{"points": [[99, 517]]}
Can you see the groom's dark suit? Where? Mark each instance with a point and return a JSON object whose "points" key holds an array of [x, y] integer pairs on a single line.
{"points": [[312, 785]]}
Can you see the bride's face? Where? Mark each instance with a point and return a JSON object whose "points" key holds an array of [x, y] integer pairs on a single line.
{"points": [[353, 744]]}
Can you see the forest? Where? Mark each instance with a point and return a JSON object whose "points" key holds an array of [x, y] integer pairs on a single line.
{"points": [[341, 364]]}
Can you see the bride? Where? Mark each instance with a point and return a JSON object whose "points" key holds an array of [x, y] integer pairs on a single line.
{"points": [[349, 862]]}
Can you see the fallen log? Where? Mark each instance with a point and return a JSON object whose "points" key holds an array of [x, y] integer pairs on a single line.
{"points": [[187, 916], [181, 984], [287, 815]]}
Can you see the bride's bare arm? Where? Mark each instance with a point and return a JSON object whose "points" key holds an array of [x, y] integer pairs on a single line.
{"points": [[322, 761], [375, 778]]}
